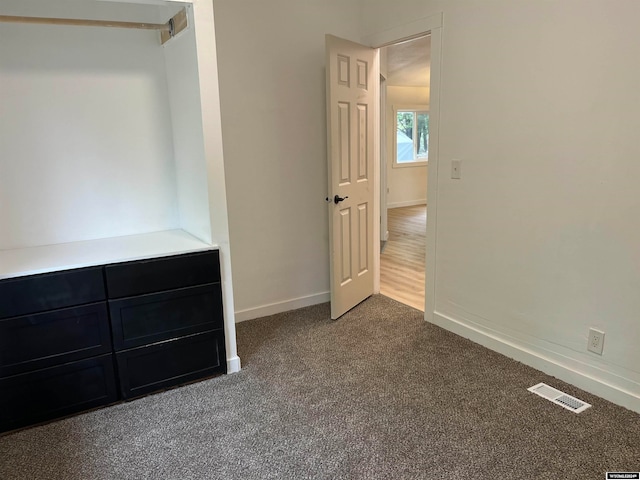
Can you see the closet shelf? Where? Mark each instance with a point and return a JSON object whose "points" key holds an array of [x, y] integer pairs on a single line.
{"points": [[66, 256]]}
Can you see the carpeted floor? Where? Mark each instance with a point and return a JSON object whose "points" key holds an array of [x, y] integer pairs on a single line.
{"points": [[378, 394]]}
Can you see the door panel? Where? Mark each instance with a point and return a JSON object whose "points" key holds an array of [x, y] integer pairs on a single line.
{"points": [[345, 234], [363, 232], [343, 69], [345, 140], [363, 143], [351, 72], [363, 81]]}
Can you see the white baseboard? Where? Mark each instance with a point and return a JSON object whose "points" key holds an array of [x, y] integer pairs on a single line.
{"points": [[386, 236], [407, 203], [539, 359], [279, 307], [233, 364]]}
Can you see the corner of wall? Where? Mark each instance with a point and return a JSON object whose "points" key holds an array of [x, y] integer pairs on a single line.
{"points": [[539, 359]]}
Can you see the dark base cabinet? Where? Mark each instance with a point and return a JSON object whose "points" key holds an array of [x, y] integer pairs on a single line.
{"points": [[45, 339], [146, 369], [49, 291], [156, 317], [57, 391], [80, 339], [166, 316]]}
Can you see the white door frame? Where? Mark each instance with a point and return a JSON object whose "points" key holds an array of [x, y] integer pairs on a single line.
{"points": [[384, 232], [428, 25]]}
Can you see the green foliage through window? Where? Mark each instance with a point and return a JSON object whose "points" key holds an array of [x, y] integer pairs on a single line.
{"points": [[412, 140]]}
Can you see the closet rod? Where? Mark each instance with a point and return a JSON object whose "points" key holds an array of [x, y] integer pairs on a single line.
{"points": [[163, 27], [167, 30]]}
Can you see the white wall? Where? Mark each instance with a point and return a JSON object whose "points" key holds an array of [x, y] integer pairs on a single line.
{"points": [[188, 142], [85, 132], [407, 185], [539, 240], [272, 81]]}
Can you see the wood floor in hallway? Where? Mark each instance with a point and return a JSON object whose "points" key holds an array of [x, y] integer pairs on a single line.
{"points": [[402, 261]]}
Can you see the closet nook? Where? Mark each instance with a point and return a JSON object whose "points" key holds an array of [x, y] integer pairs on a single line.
{"points": [[114, 235]]}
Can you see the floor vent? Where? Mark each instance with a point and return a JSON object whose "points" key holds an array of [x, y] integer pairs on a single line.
{"points": [[558, 397]]}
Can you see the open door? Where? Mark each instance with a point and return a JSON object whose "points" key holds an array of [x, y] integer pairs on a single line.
{"points": [[352, 76]]}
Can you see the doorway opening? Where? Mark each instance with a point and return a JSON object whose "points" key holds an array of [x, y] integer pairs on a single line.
{"points": [[404, 153], [355, 245]]}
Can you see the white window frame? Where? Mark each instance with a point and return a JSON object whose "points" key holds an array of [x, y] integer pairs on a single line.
{"points": [[404, 108]]}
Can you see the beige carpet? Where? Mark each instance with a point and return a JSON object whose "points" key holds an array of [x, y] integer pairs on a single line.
{"points": [[378, 394]]}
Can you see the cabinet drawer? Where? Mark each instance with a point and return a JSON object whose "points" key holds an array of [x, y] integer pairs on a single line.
{"points": [[167, 273], [146, 369], [42, 340], [50, 291], [57, 391], [161, 316]]}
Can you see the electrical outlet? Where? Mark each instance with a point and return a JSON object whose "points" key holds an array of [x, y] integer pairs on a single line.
{"points": [[595, 342]]}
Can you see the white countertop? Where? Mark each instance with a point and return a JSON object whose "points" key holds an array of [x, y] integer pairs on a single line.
{"points": [[65, 256]]}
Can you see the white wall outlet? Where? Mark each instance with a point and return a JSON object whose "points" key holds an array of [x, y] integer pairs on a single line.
{"points": [[456, 166], [596, 341]]}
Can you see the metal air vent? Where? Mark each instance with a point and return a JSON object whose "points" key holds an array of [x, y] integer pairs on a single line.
{"points": [[560, 398]]}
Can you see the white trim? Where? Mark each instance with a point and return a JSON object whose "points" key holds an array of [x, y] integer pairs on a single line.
{"points": [[233, 364], [407, 203], [421, 163], [432, 179], [382, 162], [538, 358], [416, 107], [153, 2], [377, 205], [417, 28], [205, 38], [283, 306]]}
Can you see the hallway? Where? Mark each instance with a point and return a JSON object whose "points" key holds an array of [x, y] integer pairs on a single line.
{"points": [[402, 262]]}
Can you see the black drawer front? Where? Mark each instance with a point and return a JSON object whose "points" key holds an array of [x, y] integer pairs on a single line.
{"points": [[57, 391], [161, 316], [45, 339], [167, 273], [147, 369], [50, 291]]}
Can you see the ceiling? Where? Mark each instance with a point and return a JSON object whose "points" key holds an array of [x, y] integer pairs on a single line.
{"points": [[408, 63]]}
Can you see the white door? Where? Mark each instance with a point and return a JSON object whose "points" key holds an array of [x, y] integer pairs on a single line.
{"points": [[352, 73]]}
